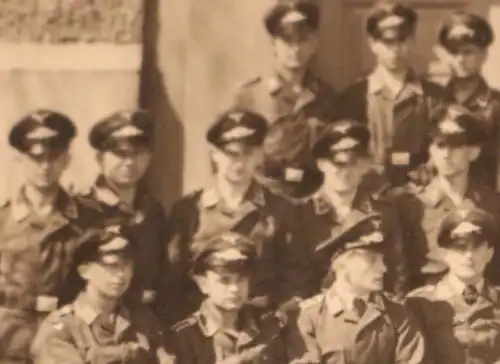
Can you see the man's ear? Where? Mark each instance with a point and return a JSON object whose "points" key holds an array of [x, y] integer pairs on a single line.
{"points": [[474, 153], [83, 270]]}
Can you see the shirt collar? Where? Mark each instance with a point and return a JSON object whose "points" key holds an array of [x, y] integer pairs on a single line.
{"points": [[88, 314], [452, 287], [322, 205], [376, 82], [276, 83], [338, 300], [433, 193], [211, 196], [105, 194], [480, 97], [210, 325], [21, 207]]}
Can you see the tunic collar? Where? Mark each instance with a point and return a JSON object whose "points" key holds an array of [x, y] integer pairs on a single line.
{"points": [[377, 83], [211, 196]]}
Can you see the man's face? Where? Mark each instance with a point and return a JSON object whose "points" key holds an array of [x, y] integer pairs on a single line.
{"points": [[365, 271], [343, 178], [237, 168], [468, 60], [295, 53], [451, 161], [44, 171], [468, 262], [393, 55], [124, 169], [225, 290], [109, 280]]}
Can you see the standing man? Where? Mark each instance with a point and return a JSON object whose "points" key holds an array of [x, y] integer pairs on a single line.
{"points": [[234, 201], [456, 141], [123, 144], [294, 101], [460, 314], [466, 38], [354, 320], [35, 228], [342, 154], [393, 101], [99, 327], [225, 328]]}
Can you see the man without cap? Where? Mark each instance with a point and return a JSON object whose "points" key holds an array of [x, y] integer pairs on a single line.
{"points": [[123, 143], [354, 320], [465, 39], [36, 228], [460, 314], [342, 154], [99, 327], [295, 102], [393, 101], [235, 201], [456, 140], [225, 328]]}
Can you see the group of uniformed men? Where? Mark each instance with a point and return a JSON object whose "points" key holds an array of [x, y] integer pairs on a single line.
{"points": [[353, 228]]}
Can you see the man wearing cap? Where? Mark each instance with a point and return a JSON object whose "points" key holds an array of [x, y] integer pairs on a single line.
{"points": [[460, 314], [456, 140], [393, 101], [354, 320], [465, 39], [123, 144], [234, 201], [294, 101], [225, 329], [36, 228], [99, 327], [346, 194]]}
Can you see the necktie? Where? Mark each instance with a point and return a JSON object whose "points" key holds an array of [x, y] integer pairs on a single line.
{"points": [[470, 295], [359, 306]]}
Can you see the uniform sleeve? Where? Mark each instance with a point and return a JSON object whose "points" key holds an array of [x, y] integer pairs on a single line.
{"points": [[300, 341], [410, 345], [396, 256], [294, 265], [53, 345], [176, 278]]}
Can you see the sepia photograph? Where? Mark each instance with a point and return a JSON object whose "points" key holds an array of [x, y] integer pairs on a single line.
{"points": [[259, 181]]}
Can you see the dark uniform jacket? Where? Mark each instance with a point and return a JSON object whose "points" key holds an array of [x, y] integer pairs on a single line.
{"points": [[320, 222], [484, 102], [296, 117], [76, 334], [399, 127], [263, 217], [34, 263], [146, 224], [456, 332], [200, 340], [421, 214], [326, 333]]}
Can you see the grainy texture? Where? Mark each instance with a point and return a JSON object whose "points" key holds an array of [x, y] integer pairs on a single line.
{"points": [[71, 21]]}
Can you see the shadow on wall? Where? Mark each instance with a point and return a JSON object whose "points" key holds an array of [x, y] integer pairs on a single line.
{"points": [[165, 175]]}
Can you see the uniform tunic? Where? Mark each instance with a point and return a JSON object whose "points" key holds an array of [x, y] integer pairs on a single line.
{"points": [[399, 125], [421, 215], [200, 340], [263, 217], [296, 117], [77, 334], [147, 228], [456, 332], [326, 333], [320, 221], [34, 263], [484, 102]]}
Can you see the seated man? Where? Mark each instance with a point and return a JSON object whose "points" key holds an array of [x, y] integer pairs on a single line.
{"points": [[348, 191], [460, 315], [455, 142], [226, 329], [97, 328], [353, 320]]}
